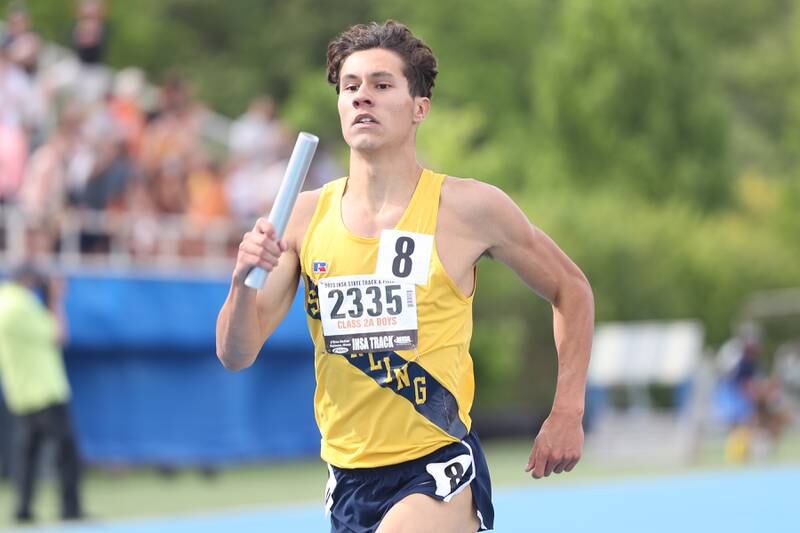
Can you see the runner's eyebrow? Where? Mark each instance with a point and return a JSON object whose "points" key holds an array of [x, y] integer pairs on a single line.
{"points": [[379, 74]]}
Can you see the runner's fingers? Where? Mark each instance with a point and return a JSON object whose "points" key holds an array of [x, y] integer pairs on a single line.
{"points": [[266, 241], [552, 463], [531, 458], [529, 464], [566, 463], [263, 227], [252, 255], [271, 248], [539, 461], [263, 240], [571, 465], [267, 252], [249, 250]]}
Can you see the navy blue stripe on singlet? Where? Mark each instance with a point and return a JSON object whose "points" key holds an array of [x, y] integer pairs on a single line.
{"points": [[407, 379]]}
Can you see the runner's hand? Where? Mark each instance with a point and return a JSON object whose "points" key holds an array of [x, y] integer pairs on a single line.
{"points": [[259, 247], [558, 446]]}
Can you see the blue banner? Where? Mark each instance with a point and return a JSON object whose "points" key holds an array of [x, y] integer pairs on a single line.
{"points": [[148, 388]]}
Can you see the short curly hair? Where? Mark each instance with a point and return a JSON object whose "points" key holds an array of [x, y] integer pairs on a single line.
{"points": [[420, 63]]}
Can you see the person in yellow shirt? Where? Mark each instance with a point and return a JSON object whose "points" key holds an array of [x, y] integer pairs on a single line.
{"points": [[35, 386], [388, 256]]}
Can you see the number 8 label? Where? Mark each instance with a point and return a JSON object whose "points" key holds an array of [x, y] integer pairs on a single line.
{"points": [[451, 475], [405, 255], [401, 266]]}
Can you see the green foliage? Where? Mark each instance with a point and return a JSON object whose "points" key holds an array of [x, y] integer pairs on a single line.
{"points": [[756, 45], [623, 94], [312, 106], [496, 350]]}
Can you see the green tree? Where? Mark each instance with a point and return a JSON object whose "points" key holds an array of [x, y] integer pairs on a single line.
{"points": [[624, 96]]}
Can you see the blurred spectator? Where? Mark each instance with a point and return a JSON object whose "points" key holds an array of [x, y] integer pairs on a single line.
{"points": [[16, 105], [206, 187], [110, 166], [750, 399], [257, 134], [207, 207], [47, 176], [143, 231], [126, 108], [173, 130], [169, 187], [90, 33], [35, 385], [251, 189], [13, 155], [259, 151], [89, 39], [21, 42], [15, 113]]}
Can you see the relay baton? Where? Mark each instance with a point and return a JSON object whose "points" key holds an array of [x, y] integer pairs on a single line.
{"points": [[290, 187]]}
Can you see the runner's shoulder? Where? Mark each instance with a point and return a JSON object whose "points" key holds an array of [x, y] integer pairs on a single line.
{"points": [[302, 213], [472, 199], [307, 202]]}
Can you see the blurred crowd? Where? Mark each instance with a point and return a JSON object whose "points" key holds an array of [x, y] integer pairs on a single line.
{"points": [[76, 137], [757, 405]]}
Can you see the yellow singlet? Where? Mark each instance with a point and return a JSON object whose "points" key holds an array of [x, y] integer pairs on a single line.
{"points": [[382, 398]]}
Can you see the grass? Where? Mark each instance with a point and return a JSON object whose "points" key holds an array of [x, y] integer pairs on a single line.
{"points": [[144, 492]]}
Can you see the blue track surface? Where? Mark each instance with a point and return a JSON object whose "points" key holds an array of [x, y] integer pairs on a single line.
{"points": [[731, 502]]}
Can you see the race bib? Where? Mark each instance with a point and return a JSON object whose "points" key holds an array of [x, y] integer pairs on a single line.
{"points": [[367, 313], [405, 256]]}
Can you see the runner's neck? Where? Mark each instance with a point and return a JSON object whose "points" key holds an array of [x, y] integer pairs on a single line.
{"points": [[377, 183]]}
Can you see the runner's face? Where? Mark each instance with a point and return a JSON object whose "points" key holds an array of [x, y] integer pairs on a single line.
{"points": [[376, 108]]}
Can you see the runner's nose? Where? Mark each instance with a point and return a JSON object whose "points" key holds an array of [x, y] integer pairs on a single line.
{"points": [[362, 97]]}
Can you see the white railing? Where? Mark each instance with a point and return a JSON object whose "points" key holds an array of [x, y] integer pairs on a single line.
{"points": [[122, 242]]}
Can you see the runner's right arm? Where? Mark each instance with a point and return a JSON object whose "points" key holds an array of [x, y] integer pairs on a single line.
{"points": [[248, 317]]}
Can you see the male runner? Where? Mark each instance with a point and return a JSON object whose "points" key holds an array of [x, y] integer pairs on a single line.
{"points": [[388, 256]]}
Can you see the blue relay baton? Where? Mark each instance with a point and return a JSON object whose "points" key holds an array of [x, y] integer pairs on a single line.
{"points": [[290, 187]]}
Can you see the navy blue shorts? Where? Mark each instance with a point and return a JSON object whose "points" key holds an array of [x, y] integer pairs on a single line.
{"points": [[357, 499]]}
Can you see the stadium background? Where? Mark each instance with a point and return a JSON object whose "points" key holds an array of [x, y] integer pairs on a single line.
{"points": [[656, 142]]}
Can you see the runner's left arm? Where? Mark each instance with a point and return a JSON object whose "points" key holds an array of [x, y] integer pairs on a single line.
{"points": [[542, 265]]}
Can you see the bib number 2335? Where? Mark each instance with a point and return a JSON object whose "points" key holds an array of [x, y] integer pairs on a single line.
{"points": [[367, 313]]}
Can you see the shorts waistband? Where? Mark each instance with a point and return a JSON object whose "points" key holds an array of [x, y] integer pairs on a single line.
{"points": [[390, 470]]}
